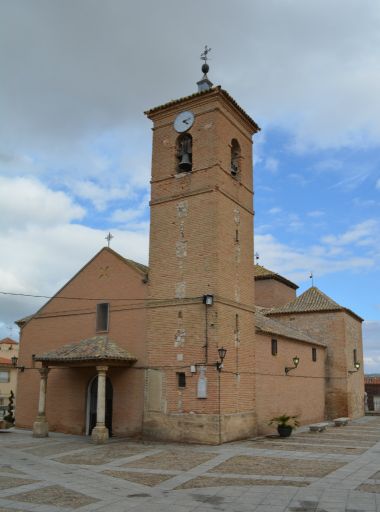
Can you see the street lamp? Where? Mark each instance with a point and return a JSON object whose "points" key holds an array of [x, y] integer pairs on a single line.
{"points": [[296, 361]]}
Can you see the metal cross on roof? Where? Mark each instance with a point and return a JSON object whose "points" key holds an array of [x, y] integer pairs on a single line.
{"points": [[204, 53], [109, 238]]}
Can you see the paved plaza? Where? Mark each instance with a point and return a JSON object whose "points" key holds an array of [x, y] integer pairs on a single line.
{"points": [[331, 471]]}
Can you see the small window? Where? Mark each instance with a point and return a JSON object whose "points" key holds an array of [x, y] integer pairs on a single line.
{"points": [[181, 379], [4, 376], [355, 354], [314, 354], [102, 317], [274, 347]]}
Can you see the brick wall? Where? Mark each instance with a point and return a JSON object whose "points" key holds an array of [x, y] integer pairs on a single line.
{"points": [[342, 333], [272, 293], [67, 321], [201, 242], [278, 393]]}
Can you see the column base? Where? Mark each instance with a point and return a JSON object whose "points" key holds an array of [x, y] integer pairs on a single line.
{"points": [[40, 427], [100, 435]]}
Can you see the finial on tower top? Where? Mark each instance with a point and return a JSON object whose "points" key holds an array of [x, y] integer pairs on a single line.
{"points": [[204, 84]]}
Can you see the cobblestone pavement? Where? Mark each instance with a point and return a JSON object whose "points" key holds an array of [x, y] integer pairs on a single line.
{"points": [[333, 471]]}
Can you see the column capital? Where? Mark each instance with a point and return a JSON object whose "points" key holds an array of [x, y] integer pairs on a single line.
{"points": [[44, 371], [102, 369]]}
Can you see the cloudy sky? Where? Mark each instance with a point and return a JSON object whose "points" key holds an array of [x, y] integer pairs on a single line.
{"points": [[75, 147]]}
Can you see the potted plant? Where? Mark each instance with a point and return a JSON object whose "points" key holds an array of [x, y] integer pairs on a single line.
{"points": [[285, 424]]}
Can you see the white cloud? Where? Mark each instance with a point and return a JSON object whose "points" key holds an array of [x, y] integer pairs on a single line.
{"points": [[274, 211], [72, 68], [40, 259], [362, 234], [271, 164], [26, 202], [296, 262], [101, 196], [316, 214]]}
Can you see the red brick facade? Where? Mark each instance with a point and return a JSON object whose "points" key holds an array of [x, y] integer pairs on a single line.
{"points": [[201, 242]]}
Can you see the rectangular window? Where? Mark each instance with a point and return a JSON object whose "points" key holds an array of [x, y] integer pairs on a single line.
{"points": [[181, 379], [355, 356], [4, 376], [274, 347], [314, 354], [102, 317]]}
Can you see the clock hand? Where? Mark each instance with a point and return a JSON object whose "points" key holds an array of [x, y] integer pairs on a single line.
{"points": [[187, 120]]}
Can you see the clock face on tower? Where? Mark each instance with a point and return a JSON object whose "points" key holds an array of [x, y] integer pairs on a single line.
{"points": [[183, 121]]}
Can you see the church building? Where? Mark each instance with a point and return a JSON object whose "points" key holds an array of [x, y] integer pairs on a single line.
{"points": [[202, 345]]}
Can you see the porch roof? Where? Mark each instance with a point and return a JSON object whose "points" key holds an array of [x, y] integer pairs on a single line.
{"points": [[96, 349]]}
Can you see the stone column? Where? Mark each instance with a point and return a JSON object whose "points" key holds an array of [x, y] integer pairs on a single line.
{"points": [[40, 426], [100, 431]]}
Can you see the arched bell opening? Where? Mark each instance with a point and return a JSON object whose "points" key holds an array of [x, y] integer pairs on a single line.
{"points": [[184, 153], [92, 402], [235, 158]]}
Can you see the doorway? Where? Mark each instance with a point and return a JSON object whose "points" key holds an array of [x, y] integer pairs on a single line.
{"points": [[92, 402]]}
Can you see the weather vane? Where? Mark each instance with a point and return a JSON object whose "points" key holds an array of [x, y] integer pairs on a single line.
{"points": [[206, 51], [257, 257], [311, 276], [204, 84], [109, 238]]}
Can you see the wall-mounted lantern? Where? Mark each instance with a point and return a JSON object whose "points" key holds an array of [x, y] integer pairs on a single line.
{"points": [[222, 354], [208, 300], [14, 360], [296, 361], [357, 367]]}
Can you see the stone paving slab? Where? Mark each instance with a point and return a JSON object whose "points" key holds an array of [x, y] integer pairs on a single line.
{"points": [[54, 495], [308, 448], [101, 454], [277, 466], [149, 479], [213, 481], [181, 460], [10, 481], [309, 472]]}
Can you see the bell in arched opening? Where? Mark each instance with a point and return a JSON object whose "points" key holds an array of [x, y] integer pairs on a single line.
{"points": [[235, 157], [184, 153]]}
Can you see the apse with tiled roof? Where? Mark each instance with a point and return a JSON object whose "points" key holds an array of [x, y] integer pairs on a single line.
{"points": [[322, 318]]}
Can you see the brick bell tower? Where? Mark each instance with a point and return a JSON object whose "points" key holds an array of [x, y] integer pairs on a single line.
{"points": [[201, 285]]}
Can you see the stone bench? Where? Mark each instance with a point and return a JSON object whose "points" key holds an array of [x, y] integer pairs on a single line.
{"points": [[318, 427], [341, 422]]}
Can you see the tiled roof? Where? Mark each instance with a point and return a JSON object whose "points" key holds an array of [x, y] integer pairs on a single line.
{"points": [[262, 273], [135, 264], [98, 348], [8, 341], [277, 328], [213, 90], [312, 300], [3, 361]]}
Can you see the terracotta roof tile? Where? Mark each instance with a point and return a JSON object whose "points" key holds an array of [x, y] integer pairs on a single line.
{"points": [[97, 348], [214, 90], [277, 328], [312, 300], [8, 341], [262, 273]]}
